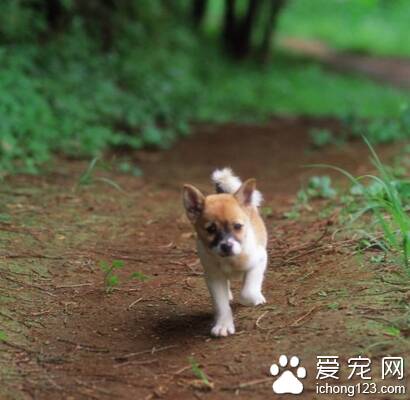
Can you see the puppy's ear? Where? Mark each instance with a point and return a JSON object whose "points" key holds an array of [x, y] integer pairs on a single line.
{"points": [[244, 193], [194, 202]]}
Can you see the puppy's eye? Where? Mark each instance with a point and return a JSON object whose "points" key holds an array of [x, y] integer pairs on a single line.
{"points": [[237, 227], [211, 229]]}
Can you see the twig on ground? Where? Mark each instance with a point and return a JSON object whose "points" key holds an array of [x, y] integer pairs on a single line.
{"points": [[10, 228], [245, 385], [142, 362], [32, 255], [304, 316], [384, 280], [93, 387], [17, 347], [401, 290], [28, 285], [134, 302], [73, 285], [182, 369], [257, 322], [153, 350], [307, 245], [37, 314], [86, 347]]}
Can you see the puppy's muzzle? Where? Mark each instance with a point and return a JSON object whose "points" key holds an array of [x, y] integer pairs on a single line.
{"points": [[226, 249]]}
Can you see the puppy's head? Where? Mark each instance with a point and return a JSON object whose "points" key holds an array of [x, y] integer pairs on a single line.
{"points": [[220, 220]]}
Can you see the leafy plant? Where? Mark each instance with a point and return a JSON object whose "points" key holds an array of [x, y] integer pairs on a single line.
{"points": [[294, 213], [199, 373], [127, 167], [382, 130], [111, 279], [67, 95], [70, 95], [322, 137], [318, 187]]}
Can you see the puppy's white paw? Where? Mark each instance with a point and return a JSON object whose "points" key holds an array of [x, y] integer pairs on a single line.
{"points": [[223, 327], [252, 299]]}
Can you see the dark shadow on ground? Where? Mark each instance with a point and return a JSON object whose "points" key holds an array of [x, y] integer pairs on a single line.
{"points": [[184, 326]]}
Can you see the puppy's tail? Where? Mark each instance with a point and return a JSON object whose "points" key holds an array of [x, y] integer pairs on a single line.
{"points": [[226, 182]]}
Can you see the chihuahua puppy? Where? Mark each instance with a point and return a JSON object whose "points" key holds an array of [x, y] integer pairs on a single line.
{"points": [[231, 242]]}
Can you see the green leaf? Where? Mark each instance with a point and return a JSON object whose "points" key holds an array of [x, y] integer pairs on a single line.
{"points": [[198, 372], [112, 280], [104, 265], [293, 214], [5, 218], [87, 177], [128, 168], [117, 264], [3, 336], [333, 306], [139, 276], [266, 211], [392, 331]]}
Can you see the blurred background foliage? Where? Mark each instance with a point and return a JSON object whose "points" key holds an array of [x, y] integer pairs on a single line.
{"points": [[79, 77], [366, 26]]}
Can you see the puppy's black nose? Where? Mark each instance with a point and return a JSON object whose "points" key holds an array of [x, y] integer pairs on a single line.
{"points": [[226, 248]]}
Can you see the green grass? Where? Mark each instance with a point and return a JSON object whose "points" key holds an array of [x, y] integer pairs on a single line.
{"points": [[88, 178], [291, 86], [387, 199], [371, 26]]}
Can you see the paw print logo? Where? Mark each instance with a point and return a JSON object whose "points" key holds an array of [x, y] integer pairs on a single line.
{"points": [[287, 381]]}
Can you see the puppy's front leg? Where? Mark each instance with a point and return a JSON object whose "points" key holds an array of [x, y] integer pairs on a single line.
{"points": [[230, 291], [219, 290], [251, 293]]}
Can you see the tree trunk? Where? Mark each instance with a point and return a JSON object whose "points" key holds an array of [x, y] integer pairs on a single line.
{"points": [[237, 33], [198, 12], [107, 28], [275, 8], [244, 33], [54, 12], [229, 25]]}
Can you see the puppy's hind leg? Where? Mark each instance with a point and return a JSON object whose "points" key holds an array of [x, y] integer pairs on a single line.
{"points": [[219, 290], [251, 293]]}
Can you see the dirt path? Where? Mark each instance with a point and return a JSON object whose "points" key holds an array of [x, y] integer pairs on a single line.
{"points": [[68, 339], [394, 71]]}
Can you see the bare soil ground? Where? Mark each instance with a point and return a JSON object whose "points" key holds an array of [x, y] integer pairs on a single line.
{"points": [[68, 339]]}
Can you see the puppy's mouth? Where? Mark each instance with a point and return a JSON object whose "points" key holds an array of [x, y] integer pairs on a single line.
{"points": [[223, 254]]}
